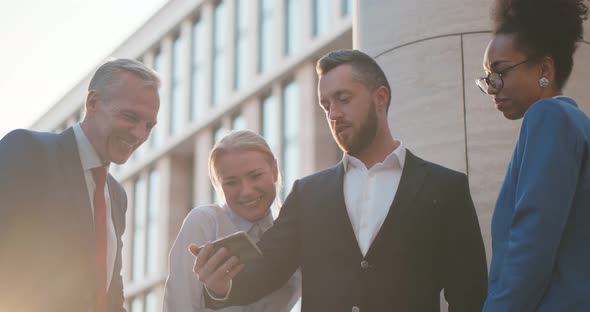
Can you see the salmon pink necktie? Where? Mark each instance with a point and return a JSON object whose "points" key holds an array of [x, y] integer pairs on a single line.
{"points": [[100, 228]]}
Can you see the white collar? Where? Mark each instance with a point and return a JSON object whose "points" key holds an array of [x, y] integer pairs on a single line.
{"points": [[88, 154], [396, 158], [245, 225]]}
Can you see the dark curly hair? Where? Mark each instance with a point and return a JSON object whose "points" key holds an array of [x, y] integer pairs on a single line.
{"points": [[544, 28]]}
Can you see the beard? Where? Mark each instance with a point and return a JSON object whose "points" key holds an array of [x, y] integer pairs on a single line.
{"points": [[361, 139]]}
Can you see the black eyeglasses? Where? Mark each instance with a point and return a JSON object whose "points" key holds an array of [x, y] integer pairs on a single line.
{"points": [[494, 80]]}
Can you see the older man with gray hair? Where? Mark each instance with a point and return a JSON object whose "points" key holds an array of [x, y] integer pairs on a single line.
{"points": [[61, 214]]}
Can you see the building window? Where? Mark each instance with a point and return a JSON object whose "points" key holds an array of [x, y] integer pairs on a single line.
{"points": [[198, 70], [156, 135], [290, 135], [137, 305], [271, 123], [145, 226], [153, 204], [145, 302], [238, 122], [139, 230], [242, 57], [219, 54], [346, 7], [176, 114], [293, 27], [151, 302], [321, 17], [266, 29]]}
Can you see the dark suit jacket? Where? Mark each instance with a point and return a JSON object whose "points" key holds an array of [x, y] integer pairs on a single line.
{"points": [[430, 241], [47, 243]]}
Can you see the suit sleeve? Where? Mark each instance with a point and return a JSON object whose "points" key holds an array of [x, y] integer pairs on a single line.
{"points": [[183, 291], [465, 274], [280, 246], [22, 174], [549, 157]]}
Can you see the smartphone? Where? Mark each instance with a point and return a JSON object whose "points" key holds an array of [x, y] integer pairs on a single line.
{"points": [[239, 244]]}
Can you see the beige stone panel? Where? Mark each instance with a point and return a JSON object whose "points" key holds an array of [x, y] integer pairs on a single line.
{"points": [[305, 77], [318, 150], [490, 137], [383, 25], [202, 194], [426, 110], [178, 171], [578, 85]]}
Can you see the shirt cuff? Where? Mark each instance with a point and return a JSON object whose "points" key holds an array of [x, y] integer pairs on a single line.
{"points": [[217, 298]]}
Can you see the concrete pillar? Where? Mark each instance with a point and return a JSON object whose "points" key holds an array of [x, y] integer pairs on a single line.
{"points": [[201, 183]]}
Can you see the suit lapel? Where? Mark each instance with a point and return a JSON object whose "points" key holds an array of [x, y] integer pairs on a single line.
{"points": [[74, 181], [338, 207], [413, 176]]}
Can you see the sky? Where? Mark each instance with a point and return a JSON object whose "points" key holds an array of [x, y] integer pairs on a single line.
{"points": [[47, 46]]}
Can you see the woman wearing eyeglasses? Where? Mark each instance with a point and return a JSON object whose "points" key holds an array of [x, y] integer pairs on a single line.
{"points": [[541, 223]]}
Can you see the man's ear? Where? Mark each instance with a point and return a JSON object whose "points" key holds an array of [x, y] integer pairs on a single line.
{"points": [[92, 100], [381, 96]]}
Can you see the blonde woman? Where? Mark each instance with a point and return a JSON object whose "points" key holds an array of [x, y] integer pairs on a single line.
{"points": [[245, 175]]}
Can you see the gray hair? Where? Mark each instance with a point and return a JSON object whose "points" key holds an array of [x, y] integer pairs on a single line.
{"points": [[108, 74]]}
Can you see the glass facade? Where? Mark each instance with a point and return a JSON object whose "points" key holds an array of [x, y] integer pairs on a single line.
{"points": [[238, 122], [137, 305], [242, 56], [219, 88], [321, 17], [290, 140], [151, 303], [346, 7], [139, 229], [153, 209], [198, 81], [145, 226], [293, 27], [176, 112], [266, 34], [156, 136]]}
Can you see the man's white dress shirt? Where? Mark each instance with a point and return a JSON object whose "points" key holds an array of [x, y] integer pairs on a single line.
{"points": [[369, 193]]}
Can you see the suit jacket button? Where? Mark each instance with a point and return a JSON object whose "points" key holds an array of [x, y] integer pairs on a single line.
{"points": [[356, 309], [364, 264]]}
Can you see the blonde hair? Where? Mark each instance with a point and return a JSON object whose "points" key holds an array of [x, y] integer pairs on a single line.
{"points": [[242, 140]]}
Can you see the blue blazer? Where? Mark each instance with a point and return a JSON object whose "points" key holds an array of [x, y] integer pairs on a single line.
{"points": [[47, 244], [541, 224]]}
